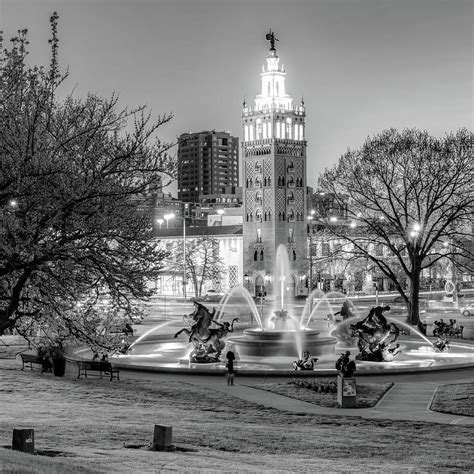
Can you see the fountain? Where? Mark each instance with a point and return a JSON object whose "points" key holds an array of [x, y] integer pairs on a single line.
{"points": [[282, 334], [270, 339]]}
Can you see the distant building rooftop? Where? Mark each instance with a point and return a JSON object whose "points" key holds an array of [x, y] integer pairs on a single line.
{"points": [[199, 231]]}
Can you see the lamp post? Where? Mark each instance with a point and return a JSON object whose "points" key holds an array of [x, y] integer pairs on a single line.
{"points": [[169, 216], [221, 213], [310, 219], [185, 279], [160, 222]]}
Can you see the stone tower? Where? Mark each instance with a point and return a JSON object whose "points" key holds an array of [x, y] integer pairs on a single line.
{"points": [[274, 181]]}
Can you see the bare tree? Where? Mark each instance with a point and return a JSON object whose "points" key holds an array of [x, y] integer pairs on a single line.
{"points": [[409, 201], [203, 263], [72, 176]]}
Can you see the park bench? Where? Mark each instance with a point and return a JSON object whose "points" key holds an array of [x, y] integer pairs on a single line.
{"points": [[85, 367], [34, 359]]}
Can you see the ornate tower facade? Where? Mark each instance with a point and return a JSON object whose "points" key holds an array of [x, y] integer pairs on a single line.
{"points": [[274, 181]]}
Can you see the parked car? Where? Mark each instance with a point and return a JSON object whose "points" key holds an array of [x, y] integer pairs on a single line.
{"points": [[213, 295]]}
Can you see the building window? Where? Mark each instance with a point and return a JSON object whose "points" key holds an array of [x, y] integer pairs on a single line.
{"points": [[259, 129], [233, 276], [259, 236], [379, 250], [261, 255], [325, 250]]}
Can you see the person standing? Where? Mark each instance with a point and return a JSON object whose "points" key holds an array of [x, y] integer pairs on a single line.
{"points": [[230, 367]]}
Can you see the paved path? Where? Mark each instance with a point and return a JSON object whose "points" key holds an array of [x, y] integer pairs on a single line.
{"points": [[405, 401]]}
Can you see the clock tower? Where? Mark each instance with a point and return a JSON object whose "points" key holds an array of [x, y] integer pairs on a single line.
{"points": [[274, 181]]}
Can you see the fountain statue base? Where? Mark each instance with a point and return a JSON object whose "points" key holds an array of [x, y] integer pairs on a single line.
{"points": [[274, 342]]}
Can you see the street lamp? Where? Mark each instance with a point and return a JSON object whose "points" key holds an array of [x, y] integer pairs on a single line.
{"points": [[185, 280], [221, 213], [160, 222], [169, 216], [415, 230]]}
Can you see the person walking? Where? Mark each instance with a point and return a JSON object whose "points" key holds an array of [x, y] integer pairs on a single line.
{"points": [[230, 367]]}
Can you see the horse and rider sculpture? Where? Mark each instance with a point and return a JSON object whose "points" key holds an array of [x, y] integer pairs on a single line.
{"points": [[206, 334], [376, 336]]}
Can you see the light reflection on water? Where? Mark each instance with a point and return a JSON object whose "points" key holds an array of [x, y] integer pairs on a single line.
{"points": [[415, 355]]}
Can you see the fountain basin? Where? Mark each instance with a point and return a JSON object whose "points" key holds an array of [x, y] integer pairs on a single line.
{"points": [[258, 342]]}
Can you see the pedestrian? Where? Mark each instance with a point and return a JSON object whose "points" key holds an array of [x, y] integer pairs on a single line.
{"points": [[230, 367], [128, 330]]}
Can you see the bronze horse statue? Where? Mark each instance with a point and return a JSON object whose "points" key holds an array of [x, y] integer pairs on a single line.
{"points": [[208, 341], [376, 336]]}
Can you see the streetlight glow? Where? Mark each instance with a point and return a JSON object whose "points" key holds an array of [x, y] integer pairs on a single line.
{"points": [[169, 216], [160, 222]]}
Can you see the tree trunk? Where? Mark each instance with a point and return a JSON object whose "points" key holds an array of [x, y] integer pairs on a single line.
{"points": [[414, 304]]}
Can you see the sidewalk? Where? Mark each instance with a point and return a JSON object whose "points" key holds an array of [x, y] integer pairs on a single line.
{"points": [[404, 401]]}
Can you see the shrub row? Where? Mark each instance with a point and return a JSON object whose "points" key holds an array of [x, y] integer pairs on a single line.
{"points": [[322, 386]]}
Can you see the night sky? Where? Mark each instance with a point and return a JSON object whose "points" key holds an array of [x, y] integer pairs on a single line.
{"points": [[361, 65]]}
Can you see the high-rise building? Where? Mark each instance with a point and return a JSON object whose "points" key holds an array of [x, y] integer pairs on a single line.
{"points": [[208, 164], [274, 180]]}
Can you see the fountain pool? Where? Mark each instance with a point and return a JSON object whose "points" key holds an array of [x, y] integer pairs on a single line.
{"points": [[272, 351], [267, 340]]}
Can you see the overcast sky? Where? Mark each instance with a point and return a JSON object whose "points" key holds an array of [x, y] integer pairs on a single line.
{"points": [[361, 65]]}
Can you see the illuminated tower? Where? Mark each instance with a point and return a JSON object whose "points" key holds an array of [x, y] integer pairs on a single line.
{"points": [[274, 180]]}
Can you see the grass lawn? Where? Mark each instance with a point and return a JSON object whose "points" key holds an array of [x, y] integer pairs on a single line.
{"points": [[457, 399], [91, 420], [368, 394]]}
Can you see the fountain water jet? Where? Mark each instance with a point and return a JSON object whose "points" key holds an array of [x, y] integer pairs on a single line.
{"points": [[282, 334]]}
